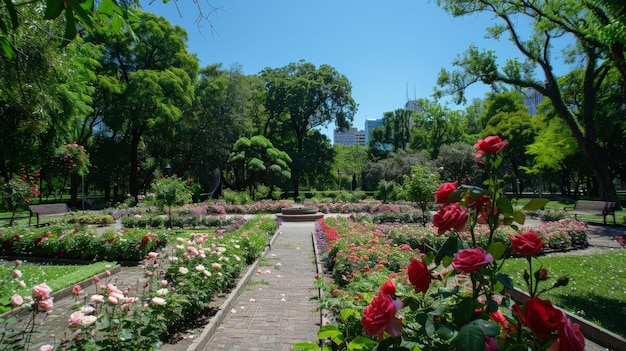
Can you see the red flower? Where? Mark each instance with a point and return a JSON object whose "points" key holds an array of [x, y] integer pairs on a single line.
{"points": [[541, 317], [380, 316], [452, 216], [419, 275], [388, 288], [445, 189], [490, 145], [571, 338], [527, 244], [470, 260]]}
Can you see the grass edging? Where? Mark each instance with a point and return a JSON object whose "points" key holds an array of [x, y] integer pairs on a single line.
{"points": [[201, 342], [591, 331], [63, 293]]}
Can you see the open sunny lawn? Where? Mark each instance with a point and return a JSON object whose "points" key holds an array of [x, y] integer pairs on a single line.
{"points": [[597, 287]]}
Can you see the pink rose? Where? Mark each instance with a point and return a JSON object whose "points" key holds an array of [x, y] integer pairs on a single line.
{"points": [[452, 216], [46, 348], [16, 300], [491, 344], [113, 300], [490, 145], [45, 305], [96, 278], [445, 189], [527, 244], [17, 273], [75, 318], [571, 338], [76, 289], [380, 316], [41, 292], [470, 260]]}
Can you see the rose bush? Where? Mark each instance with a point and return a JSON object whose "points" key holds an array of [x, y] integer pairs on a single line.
{"points": [[455, 296]]}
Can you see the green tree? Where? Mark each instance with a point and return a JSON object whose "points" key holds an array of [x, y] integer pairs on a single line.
{"points": [[301, 97], [596, 54], [350, 160], [256, 161], [150, 77], [457, 162], [170, 192], [420, 186], [433, 126]]}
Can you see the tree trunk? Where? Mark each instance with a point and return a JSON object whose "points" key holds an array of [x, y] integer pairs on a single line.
{"points": [[133, 181]]}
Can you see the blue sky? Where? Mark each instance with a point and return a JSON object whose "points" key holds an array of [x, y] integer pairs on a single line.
{"points": [[387, 50]]}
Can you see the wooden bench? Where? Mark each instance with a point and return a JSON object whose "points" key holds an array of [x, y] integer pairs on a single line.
{"points": [[596, 208], [47, 210]]}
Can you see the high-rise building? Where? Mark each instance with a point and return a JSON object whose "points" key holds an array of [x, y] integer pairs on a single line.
{"points": [[351, 136], [532, 100], [369, 125]]}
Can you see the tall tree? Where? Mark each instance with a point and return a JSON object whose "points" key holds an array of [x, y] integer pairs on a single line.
{"points": [[151, 75], [433, 126], [550, 21], [307, 97]]}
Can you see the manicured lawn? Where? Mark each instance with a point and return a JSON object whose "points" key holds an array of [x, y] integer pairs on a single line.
{"points": [[597, 287], [56, 277]]}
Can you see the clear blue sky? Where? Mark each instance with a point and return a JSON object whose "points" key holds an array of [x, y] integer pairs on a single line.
{"points": [[389, 51]]}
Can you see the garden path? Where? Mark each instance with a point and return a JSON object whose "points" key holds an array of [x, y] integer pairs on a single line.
{"points": [[272, 307]]}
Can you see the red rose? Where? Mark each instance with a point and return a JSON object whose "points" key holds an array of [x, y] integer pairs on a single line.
{"points": [[470, 260], [445, 189], [490, 145], [380, 316], [388, 288], [527, 244], [452, 216], [541, 317], [571, 338], [419, 275]]}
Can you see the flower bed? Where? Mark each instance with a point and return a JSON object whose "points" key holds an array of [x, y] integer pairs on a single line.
{"points": [[178, 288], [80, 243], [451, 294]]}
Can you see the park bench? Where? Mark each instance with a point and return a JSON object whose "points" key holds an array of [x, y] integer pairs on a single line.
{"points": [[47, 210], [596, 208]]}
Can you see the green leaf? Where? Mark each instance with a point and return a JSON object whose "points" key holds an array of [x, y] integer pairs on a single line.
{"points": [[331, 332], [449, 248], [519, 217], [496, 249], [12, 13], [346, 313], [470, 338], [535, 204], [489, 328], [446, 332], [492, 306], [305, 346], [70, 27], [505, 280], [464, 311], [54, 9], [361, 343], [504, 205]]}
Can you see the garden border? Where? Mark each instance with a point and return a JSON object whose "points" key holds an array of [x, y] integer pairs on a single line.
{"points": [[603, 337]]}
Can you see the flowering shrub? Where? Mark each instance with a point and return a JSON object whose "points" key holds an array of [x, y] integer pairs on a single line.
{"points": [[76, 242], [453, 297], [177, 289], [74, 158], [18, 192]]}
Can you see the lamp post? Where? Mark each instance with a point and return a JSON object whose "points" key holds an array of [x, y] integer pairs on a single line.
{"points": [[168, 170]]}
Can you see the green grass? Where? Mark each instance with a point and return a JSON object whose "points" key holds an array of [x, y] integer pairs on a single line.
{"points": [[56, 276], [597, 287]]}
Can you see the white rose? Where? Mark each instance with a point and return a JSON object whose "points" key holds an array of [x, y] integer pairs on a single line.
{"points": [[158, 301]]}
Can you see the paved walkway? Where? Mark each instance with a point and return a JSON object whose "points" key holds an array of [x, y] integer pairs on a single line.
{"points": [[276, 309]]}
